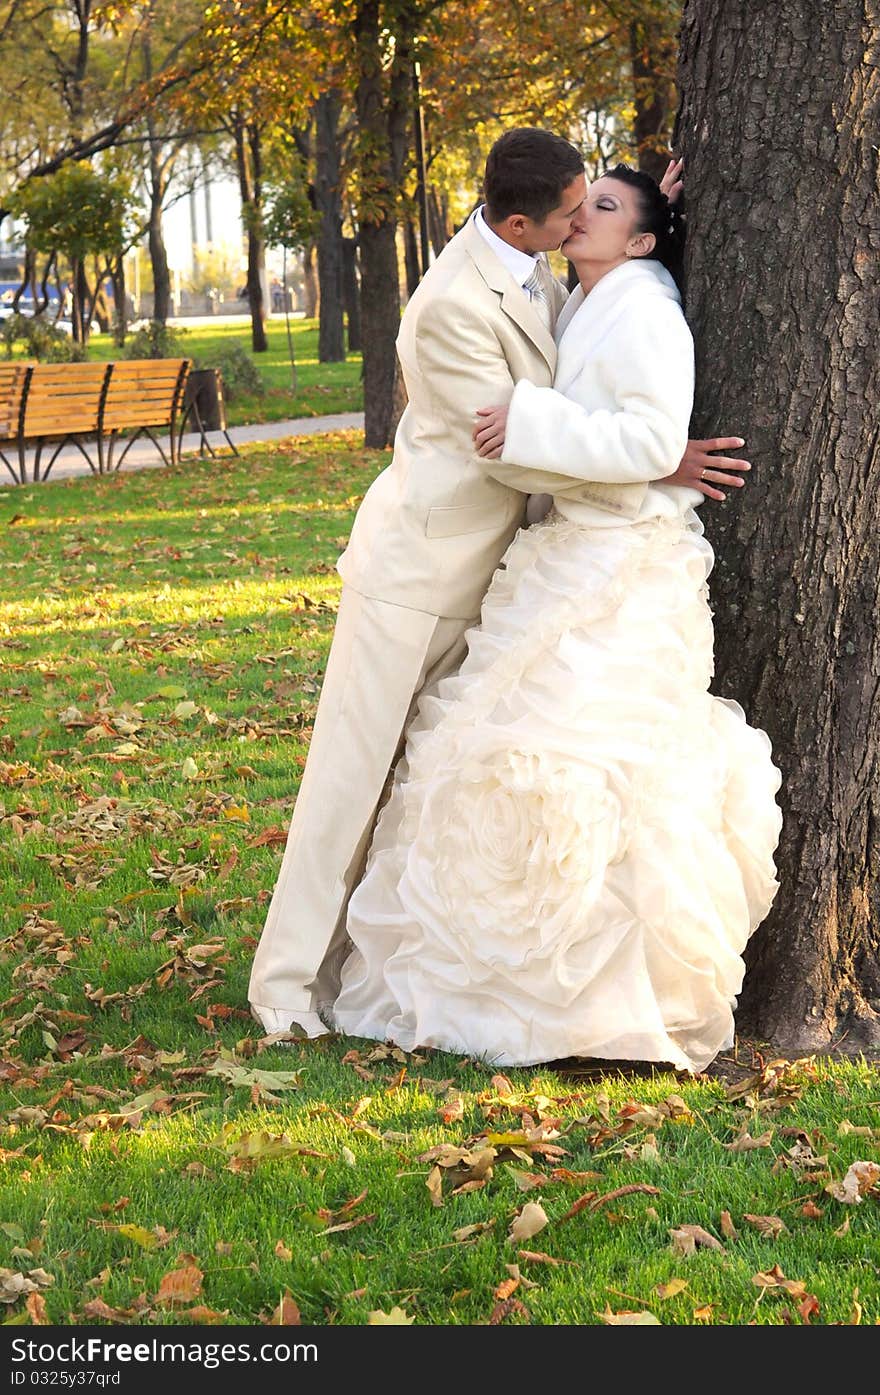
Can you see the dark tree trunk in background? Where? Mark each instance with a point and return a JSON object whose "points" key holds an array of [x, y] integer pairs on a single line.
{"points": [[783, 289], [159, 169], [249, 162], [382, 119], [328, 198], [653, 48], [311, 292], [411, 256], [351, 293], [439, 223]]}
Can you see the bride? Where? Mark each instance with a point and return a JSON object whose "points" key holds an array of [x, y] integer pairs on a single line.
{"points": [[579, 840]]}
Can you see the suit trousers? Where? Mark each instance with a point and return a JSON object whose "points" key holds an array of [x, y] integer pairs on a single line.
{"points": [[381, 657]]}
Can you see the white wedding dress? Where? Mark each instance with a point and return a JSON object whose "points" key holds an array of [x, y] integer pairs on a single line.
{"points": [[579, 840]]}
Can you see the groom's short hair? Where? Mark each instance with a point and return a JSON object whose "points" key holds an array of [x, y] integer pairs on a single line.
{"points": [[527, 171]]}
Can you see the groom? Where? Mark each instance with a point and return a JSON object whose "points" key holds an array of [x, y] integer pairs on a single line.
{"points": [[428, 535]]}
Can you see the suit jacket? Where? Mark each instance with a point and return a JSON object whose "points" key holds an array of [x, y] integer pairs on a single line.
{"points": [[434, 525]]}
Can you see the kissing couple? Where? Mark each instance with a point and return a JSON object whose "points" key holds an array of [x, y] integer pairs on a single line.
{"points": [[578, 838]]}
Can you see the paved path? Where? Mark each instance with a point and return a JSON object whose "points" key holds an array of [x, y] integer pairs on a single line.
{"points": [[143, 453]]}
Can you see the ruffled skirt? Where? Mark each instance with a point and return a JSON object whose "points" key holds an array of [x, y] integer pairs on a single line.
{"points": [[579, 840]]}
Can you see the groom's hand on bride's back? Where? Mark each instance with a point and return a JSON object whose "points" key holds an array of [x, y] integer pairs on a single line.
{"points": [[711, 474]]}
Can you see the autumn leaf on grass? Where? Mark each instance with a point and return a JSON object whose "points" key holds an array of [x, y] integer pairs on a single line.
{"points": [[685, 1239], [528, 1222], [671, 1289], [204, 1317], [180, 1285], [745, 1143], [775, 1278], [767, 1225], [287, 1313], [452, 1110], [469, 1232], [539, 1257], [626, 1318], [728, 1229], [248, 1149], [509, 1307], [860, 1181], [396, 1318], [434, 1183], [35, 1304], [246, 1078]]}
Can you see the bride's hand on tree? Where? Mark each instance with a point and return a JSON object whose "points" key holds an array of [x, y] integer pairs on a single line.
{"points": [[671, 184], [700, 469], [489, 431]]}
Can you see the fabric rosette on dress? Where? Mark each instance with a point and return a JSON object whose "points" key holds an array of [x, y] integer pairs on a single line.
{"points": [[580, 838]]}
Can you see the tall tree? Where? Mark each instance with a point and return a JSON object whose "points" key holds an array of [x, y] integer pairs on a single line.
{"points": [[783, 288]]}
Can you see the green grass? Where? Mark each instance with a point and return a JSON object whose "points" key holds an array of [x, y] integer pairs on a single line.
{"points": [[323, 388], [162, 639]]}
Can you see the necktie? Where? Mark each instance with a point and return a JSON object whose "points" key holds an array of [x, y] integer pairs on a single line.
{"points": [[540, 294]]}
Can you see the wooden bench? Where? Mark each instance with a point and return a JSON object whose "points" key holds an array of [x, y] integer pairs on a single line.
{"points": [[13, 382], [143, 396], [80, 403]]}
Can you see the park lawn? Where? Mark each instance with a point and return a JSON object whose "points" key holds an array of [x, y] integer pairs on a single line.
{"points": [[323, 389], [162, 637]]}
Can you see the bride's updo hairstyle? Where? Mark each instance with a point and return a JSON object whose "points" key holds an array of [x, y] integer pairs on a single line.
{"points": [[658, 216]]}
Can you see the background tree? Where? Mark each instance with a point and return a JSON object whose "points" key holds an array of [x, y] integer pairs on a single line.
{"points": [[783, 288], [78, 211]]}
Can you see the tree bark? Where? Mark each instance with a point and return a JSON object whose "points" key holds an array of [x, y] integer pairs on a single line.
{"points": [[411, 256], [311, 292], [351, 293], [157, 188], [380, 288], [652, 50], [249, 163], [783, 288], [328, 197]]}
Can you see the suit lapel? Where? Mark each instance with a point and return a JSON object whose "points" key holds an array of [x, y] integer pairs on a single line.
{"points": [[514, 301]]}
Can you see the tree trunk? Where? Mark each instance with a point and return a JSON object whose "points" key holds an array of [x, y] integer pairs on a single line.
{"points": [[351, 293], [311, 292], [783, 287], [380, 289], [81, 314], [328, 197], [652, 49], [411, 256], [157, 188], [438, 220], [120, 306], [248, 160]]}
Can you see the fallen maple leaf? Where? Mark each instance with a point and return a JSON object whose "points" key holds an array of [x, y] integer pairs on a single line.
{"points": [[539, 1257], [672, 1289], [767, 1225], [528, 1222], [287, 1313], [35, 1304], [505, 1308], [180, 1285], [745, 1143], [698, 1235], [626, 1318], [396, 1318], [861, 1177]]}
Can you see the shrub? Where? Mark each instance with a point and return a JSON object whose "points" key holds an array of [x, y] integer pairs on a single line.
{"points": [[40, 338], [155, 340], [241, 376]]}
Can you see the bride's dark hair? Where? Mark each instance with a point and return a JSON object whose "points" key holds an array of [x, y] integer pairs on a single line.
{"points": [[658, 216]]}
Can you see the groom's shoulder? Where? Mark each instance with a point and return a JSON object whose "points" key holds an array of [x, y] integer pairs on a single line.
{"points": [[454, 278]]}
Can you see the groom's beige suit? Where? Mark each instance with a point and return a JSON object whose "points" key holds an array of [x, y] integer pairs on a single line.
{"points": [[429, 533]]}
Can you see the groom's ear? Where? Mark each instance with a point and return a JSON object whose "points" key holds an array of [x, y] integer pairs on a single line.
{"points": [[516, 224]]}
